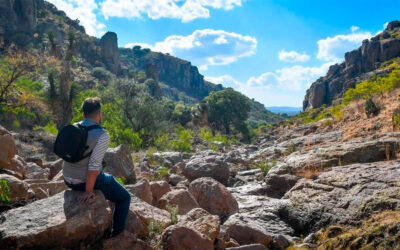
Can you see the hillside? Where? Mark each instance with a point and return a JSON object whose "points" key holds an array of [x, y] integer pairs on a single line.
{"points": [[359, 65]]}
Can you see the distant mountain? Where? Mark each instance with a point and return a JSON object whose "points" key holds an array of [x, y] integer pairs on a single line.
{"points": [[285, 110]]}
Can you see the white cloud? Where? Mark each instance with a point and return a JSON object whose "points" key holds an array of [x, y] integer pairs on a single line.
{"points": [[354, 28], [85, 11], [293, 78], [334, 48], [208, 47], [293, 56], [385, 25], [225, 80], [185, 10], [283, 87]]}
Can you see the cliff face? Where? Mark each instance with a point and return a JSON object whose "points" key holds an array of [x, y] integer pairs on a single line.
{"points": [[356, 66], [174, 72], [26, 22]]}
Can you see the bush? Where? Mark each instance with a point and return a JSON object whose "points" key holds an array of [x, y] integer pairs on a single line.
{"points": [[173, 210], [102, 74], [374, 86], [264, 166], [121, 180], [371, 109], [4, 192], [396, 118], [183, 143]]}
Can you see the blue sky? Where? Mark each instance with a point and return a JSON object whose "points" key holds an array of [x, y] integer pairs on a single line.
{"points": [[270, 50]]}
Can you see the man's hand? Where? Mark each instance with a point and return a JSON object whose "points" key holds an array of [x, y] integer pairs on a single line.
{"points": [[87, 197]]}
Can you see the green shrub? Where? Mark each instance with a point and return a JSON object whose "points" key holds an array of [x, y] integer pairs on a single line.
{"points": [[374, 86], [183, 143], [4, 192], [51, 128], [16, 124], [121, 180], [162, 142], [173, 210], [396, 118], [163, 172], [264, 166], [371, 109]]}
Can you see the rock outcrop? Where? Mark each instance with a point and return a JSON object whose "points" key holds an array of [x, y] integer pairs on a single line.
{"points": [[118, 162], [109, 51], [181, 198], [213, 197], [56, 222], [367, 58]]}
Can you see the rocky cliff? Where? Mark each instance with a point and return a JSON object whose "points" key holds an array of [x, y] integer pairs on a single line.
{"points": [[357, 66], [26, 23]]}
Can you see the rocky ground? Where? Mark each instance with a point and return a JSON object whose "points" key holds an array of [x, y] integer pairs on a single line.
{"points": [[304, 187]]}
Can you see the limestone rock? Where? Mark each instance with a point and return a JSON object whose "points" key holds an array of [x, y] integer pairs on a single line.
{"points": [[125, 240], [33, 171], [207, 166], [59, 221], [45, 188], [109, 51], [54, 167], [181, 237], [119, 163], [203, 222], [181, 198], [147, 212], [19, 190], [7, 149], [213, 197], [158, 189], [142, 190]]}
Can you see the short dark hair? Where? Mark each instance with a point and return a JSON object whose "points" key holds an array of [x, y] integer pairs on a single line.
{"points": [[91, 105]]}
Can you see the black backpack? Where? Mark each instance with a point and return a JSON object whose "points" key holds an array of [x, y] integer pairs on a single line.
{"points": [[70, 144]]}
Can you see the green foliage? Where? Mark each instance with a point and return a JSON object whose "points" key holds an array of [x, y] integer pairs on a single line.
{"points": [[155, 230], [121, 180], [206, 135], [228, 108], [374, 86], [396, 118], [16, 124], [182, 144], [4, 192], [182, 114], [315, 115], [49, 128], [102, 74], [162, 143], [173, 211], [264, 166]]}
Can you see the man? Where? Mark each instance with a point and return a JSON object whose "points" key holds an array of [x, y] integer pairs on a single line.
{"points": [[86, 174]]}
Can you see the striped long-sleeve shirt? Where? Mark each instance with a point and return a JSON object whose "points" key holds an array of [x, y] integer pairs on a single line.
{"points": [[98, 152]]}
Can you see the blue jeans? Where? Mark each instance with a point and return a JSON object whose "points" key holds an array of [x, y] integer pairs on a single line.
{"points": [[114, 192]]}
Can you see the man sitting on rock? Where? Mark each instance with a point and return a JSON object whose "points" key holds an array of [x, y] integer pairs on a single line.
{"points": [[86, 174]]}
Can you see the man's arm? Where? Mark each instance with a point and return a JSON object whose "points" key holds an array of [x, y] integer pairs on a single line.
{"points": [[95, 165]]}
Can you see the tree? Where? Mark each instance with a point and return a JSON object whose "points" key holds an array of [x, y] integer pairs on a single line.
{"points": [[145, 115], [15, 65], [63, 100], [227, 108]]}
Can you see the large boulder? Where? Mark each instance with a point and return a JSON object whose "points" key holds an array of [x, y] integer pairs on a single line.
{"points": [[19, 190], [146, 213], [141, 190], [181, 198], [7, 149], [46, 188], [343, 195], [125, 240], [59, 221], [119, 163], [213, 197], [54, 167], [180, 237], [203, 222], [158, 189], [212, 166], [34, 171]]}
